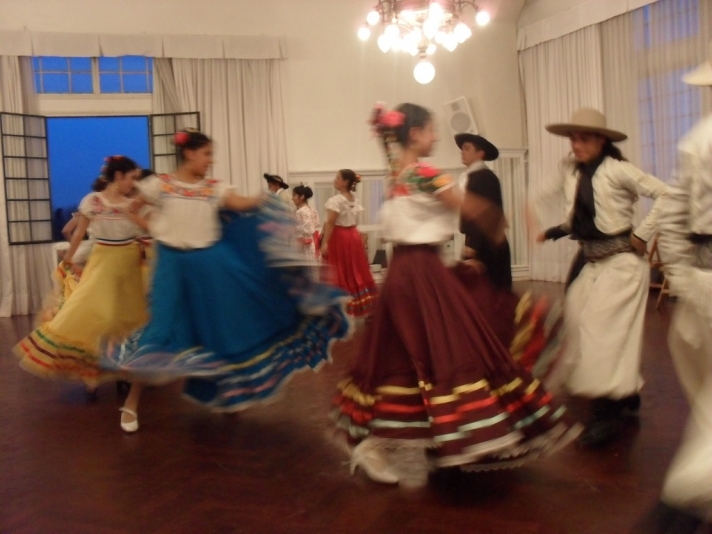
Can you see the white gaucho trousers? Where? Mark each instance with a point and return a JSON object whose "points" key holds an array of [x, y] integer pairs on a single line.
{"points": [[604, 316], [688, 483]]}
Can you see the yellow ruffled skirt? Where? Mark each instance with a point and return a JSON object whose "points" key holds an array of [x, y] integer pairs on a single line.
{"points": [[105, 306]]}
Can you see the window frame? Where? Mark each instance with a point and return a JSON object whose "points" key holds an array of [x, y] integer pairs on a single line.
{"points": [[96, 81], [27, 179]]}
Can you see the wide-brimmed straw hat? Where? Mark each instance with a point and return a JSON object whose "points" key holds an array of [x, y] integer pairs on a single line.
{"points": [[586, 120], [702, 75]]}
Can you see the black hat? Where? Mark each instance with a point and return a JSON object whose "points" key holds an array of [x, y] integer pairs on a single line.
{"points": [[274, 179], [491, 152]]}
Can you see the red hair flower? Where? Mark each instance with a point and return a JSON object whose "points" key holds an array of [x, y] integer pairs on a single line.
{"points": [[392, 119], [181, 138]]}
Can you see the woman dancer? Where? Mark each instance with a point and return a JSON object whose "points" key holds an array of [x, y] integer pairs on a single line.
{"points": [[343, 249], [219, 312], [431, 373], [108, 303], [307, 221]]}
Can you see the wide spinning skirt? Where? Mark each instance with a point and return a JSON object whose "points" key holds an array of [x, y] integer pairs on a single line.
{"points": [[351, 271], [433, 372], [105, 306], [239, 318]]}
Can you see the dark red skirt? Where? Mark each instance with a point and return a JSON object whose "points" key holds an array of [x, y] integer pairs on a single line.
{"points": [[435, 366], [351, 271]]}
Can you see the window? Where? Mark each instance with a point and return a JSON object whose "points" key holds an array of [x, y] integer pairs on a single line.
{"points": [[25, 168], [63, 75], [128, 74], [84, 75], [666, 22]]}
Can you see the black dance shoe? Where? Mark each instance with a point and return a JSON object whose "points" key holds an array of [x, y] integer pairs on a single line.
{"points": [[664, 519], [604, 423]]}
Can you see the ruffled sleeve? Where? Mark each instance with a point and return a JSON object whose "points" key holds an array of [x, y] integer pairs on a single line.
{"points": [[150, 188], [430, 179], [90, 205], [334, 204]]}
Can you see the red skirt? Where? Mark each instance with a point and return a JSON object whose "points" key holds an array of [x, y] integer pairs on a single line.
{"points": [[351, 271], [434, 368]]}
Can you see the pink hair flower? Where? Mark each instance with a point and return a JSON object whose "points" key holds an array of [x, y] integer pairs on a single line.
{"points": [[427, 171]]}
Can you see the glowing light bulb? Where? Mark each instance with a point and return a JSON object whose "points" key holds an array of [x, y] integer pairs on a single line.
{"points": [[431, 49], [424, 72], [392, 31], [482, 18], [384, 43], [440, 37], [450, 42], [462, 32], [364, 33], [430, 28], [436, 11], [373, 18]]}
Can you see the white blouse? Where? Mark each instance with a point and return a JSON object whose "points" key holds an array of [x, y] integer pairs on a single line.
{"points": [[413, 215], [185, 215], [109, 222], [348, 210], [307, 219]]}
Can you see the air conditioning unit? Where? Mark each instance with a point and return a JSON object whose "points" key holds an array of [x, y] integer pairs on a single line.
{"points": [[459, 116]]}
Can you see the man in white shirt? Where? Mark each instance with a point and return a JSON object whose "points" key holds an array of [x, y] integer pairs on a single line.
{"points": [[482, 216], [686, 248], [278, 187]]}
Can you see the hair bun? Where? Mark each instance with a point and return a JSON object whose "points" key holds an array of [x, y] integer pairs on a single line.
{"points": [[181, 138]]}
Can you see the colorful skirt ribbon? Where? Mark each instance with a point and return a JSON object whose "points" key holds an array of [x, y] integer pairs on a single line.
{"points": [[435, 369]]}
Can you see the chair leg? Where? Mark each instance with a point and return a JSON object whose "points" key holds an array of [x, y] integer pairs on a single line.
{"points": [[663, 292]]}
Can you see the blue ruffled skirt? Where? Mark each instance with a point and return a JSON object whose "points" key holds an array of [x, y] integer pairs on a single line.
{"points": [[238, 318]]}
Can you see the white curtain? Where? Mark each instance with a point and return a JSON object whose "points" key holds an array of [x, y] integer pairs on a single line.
{"points": [[630, 67], [559, 76], [240, 105], [24, 269]]}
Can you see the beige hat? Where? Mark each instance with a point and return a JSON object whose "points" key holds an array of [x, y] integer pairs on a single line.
{"points": [[702, 75], [586, 120]]}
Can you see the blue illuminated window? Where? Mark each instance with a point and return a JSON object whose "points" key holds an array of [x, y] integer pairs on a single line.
{"points": [[63, 75], [127, 74], [76, 75]]}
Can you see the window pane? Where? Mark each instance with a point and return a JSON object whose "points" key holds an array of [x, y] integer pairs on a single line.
{"points": [[133, 64], [39, 189], [35, 148], [108, 64], [37, 168], [56, 64], [41, 231], [135, 83], [82, 64], [82, 83], [110, 83], [40, 209], [18, 211], [55, 83], [19, 232], [17, 189]]}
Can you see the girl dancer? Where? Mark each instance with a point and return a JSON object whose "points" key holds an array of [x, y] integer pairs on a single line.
{"points": [[343, 249], [108, 303], [431, 373], [307, 221], [218, 311]]}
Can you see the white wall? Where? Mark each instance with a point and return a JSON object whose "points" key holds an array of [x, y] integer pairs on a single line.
{"points": [[331, 78]]}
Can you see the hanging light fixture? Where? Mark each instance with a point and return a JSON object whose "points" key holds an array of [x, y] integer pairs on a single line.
{"points": [[419, 27]]}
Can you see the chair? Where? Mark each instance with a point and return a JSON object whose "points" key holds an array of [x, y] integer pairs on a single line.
{"points": [[656, 264]]}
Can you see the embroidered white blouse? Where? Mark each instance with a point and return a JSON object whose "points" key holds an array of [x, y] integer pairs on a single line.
{"points": [[348, 210], [413, 215], [616, 187], [109, 222], [185, 215], [307, 219]]}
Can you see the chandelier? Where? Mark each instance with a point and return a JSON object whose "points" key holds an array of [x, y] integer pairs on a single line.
{"points": [[419, 27]]}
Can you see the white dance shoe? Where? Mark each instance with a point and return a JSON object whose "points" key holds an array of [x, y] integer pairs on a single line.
{"points": [[373, 463], [133, 425]]}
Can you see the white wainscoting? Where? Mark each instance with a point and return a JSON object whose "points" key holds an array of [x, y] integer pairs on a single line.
{"points": [[511, 168]]}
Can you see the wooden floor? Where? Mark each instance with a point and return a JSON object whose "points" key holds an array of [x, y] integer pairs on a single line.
{"points": [[66, 467]]}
